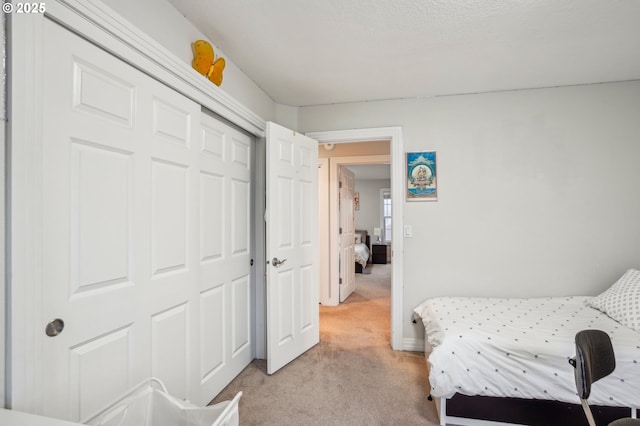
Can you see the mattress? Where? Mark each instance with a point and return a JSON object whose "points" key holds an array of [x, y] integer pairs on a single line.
{"points": [[520, 348]]}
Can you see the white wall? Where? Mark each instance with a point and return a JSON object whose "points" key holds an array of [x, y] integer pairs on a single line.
{"points": [[368, 217], [161, 21], [287, 116], [538, 189]]}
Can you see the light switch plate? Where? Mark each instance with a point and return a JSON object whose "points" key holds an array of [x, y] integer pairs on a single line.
{"points": [[408, 231]]}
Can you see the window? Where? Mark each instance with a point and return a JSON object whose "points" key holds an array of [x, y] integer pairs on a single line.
{"points": [[385, 196]]}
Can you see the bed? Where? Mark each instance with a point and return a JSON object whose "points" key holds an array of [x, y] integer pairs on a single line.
{"points": [[362, 250], [519, 348]]}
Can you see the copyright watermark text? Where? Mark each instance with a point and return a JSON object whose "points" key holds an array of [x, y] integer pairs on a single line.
{"points": [[24, 7]]}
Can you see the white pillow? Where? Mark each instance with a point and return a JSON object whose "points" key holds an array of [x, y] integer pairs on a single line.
{"points": [[621, 301], [358, 238]]}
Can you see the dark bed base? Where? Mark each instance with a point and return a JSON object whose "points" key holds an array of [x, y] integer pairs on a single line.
{"points": [[529, 412]]}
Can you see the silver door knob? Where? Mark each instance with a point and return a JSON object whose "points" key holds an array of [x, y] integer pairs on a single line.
{"points": [[54, 328], [276, 262]]}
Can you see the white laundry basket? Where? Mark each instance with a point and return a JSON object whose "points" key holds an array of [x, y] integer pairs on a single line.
{"points": [[149, 404]]}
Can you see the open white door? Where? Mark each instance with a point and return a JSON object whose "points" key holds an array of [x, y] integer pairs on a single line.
{"points": [[292, 245], [346, 180]]}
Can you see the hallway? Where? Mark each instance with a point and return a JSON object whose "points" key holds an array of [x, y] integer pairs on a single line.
{"points": [[352, 377]]}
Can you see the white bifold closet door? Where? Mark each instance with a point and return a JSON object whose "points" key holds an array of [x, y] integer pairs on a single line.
{"points": [[147, 235]]}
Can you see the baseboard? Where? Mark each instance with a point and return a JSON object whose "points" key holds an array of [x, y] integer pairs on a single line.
{"points": [[413, 345]]}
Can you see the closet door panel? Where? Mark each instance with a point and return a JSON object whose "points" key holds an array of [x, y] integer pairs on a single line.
{"points": [[225, 261], [146, 235]]}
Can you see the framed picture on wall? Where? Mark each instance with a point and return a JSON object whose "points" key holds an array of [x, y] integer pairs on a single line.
{"points": [[422, 177]]}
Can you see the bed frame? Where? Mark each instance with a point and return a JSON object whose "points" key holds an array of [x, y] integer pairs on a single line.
{"points": [[477, 410], [485, 410]]}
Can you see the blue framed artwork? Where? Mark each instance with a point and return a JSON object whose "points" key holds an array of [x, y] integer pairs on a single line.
{"points": [[422, 177]]}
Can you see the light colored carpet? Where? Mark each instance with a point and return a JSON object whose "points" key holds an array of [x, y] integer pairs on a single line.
{"points": [[352, 377]]}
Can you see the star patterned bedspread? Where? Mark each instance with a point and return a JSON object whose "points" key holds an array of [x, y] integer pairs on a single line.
{"points": [[520, 348]]}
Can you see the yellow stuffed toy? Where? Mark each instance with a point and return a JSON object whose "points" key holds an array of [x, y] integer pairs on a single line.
{"points": [[204, 63]]}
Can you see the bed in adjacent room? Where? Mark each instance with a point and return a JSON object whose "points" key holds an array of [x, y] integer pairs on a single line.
{"points": [[362, 250], [519, 348]]}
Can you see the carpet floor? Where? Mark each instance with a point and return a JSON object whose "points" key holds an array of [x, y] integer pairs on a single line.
{"points": [[352, 377]]}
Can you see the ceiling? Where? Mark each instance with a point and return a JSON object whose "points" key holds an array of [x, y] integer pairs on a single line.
{"points": [[315, 52], [371, 171]]}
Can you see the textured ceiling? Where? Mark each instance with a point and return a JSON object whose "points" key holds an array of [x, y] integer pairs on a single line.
{"points": [[312, 52]]}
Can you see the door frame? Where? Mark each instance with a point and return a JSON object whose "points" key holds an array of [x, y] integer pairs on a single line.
{"points": [[333, 296], [96, 22], [394, 136], [323, 225]]}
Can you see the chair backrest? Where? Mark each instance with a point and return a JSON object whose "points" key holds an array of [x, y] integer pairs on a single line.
{"points": [[594, 359]]}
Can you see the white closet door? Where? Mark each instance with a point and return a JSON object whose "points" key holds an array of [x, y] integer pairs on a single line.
{"points": [[225, 255], [131, 219]]}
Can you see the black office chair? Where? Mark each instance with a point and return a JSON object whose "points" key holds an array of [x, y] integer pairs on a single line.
{"points": [[594, 360]]}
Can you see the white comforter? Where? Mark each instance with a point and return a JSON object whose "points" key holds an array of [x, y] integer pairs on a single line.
{"points": [[520, 348], [362, 254]]}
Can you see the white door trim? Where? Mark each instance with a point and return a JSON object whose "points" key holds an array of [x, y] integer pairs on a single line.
{"points": [[394, 136], [97, 23], [25, 214], [323, 226]]}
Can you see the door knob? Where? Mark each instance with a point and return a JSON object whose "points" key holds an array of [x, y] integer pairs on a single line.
{"points": [[54, 328], [276, 262]]}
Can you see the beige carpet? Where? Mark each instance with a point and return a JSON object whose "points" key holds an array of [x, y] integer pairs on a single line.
{"points": [[352, 377]]}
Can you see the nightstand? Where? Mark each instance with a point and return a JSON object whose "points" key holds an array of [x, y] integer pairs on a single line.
{"points": [[379, 253]]}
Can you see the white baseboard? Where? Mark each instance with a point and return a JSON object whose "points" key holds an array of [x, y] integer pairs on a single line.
{"points": [[414, 345]]}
